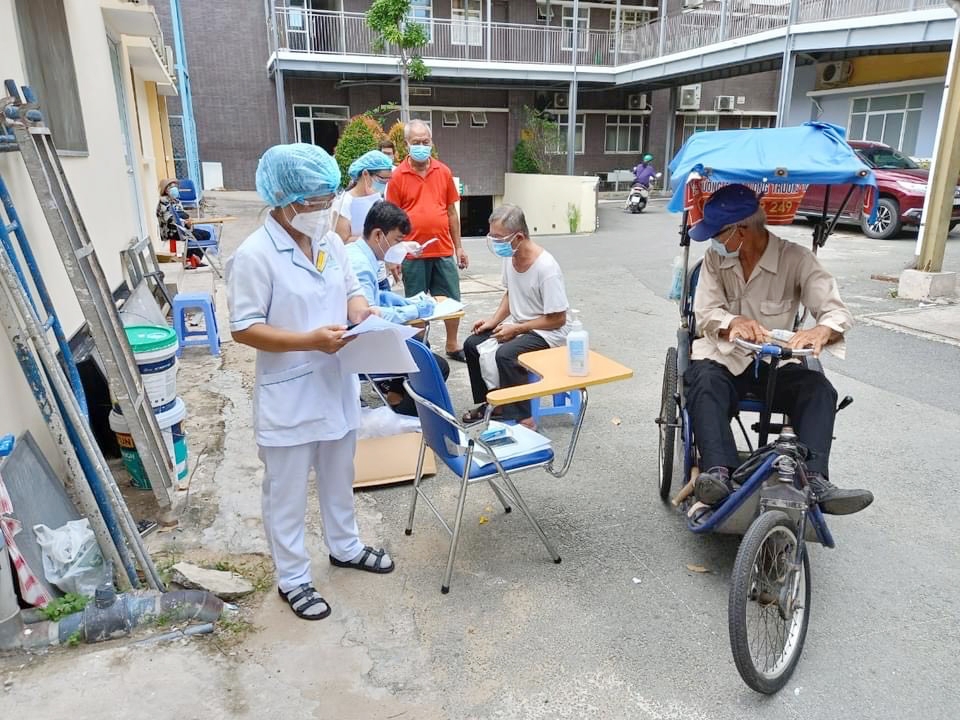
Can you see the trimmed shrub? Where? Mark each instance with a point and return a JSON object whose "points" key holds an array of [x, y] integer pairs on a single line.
{"points": [[524, 160], [395, 134], [361, 135]]}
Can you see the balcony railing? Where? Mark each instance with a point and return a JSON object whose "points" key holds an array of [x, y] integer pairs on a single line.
{"points": [[330, 32]]}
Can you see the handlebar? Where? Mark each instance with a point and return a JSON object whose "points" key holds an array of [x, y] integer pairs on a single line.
{"points": [[773, 350]]}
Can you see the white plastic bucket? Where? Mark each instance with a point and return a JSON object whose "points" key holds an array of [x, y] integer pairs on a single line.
{"points": [[171, 427], [155, 350]]}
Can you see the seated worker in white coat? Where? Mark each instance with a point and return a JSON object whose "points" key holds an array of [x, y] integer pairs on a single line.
{"points": [[291, 295], [384, 228]]}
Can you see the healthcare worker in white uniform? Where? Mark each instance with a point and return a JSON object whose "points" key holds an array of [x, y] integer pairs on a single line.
{"points": [[292, 294]]}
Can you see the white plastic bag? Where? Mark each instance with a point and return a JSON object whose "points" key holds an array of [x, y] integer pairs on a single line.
{"points": [[488, 363], [71, 557], [382, 422]]}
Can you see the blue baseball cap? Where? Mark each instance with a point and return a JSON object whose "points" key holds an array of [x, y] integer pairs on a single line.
{"points": [[727, 206]]}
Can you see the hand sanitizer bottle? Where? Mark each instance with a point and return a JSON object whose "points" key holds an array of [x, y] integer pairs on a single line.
{"points": [[578, 348]]}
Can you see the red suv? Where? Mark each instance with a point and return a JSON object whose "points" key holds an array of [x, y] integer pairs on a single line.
{"points": [[902, 184]]}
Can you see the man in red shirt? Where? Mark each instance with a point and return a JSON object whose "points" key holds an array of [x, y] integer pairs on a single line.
{"points": [[423, 186]]}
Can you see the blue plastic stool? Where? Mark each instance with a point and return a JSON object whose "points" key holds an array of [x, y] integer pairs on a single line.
{"points": [[210, 335], [564, 403]]}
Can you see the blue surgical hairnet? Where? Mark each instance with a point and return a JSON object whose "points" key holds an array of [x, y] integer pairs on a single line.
{"points": [[293, 173], [371, 161]]}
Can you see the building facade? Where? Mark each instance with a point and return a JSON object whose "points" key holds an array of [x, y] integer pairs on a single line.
{"points": [[489, 60], [102, 75], [649, 72]]}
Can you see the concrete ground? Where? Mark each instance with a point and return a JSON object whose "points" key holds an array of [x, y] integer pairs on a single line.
{"points": [[622, 628]]}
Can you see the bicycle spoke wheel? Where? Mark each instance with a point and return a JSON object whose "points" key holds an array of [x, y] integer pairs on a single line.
{"points": [[667, 424], [769, 606]]}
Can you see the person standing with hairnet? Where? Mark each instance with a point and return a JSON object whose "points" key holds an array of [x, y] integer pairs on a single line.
{"points": [[369, 175], [291, 294]]}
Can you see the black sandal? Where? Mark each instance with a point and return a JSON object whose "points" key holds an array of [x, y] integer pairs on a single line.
{"points": [[475, 415], [304, 597], [361, 562]]}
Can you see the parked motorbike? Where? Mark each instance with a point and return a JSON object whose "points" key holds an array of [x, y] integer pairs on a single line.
{"points": [[639, 194]]}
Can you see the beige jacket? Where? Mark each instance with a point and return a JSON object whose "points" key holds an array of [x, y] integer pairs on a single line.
{"points": [[786, 276]]}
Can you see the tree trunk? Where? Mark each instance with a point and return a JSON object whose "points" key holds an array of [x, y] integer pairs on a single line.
{"points": [[404, 94]]}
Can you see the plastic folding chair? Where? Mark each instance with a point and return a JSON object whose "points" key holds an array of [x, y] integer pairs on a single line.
{"points": [[207, 247], [189, 197], [454, 443]]}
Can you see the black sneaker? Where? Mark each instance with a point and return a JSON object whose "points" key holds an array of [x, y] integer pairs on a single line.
{"points": [[713, 486], [834, 501]]}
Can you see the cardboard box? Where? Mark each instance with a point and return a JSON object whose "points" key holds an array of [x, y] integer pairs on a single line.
{"points": [[388, 460]]}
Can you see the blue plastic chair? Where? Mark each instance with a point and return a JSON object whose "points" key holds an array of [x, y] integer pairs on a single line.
{"points": [[563, 403], [454, 443], [189, 196]]}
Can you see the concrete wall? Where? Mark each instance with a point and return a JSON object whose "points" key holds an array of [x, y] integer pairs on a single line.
{"points": [[545, 200], [100, 184]]}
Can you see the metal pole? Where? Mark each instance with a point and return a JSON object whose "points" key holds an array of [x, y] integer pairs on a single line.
{"points": [[938, 203], [281, 105], [186, 95], [616, 37], [572, 97], [489, 29], [723, 20], [671, 137], [786, 68], [662, 19]]}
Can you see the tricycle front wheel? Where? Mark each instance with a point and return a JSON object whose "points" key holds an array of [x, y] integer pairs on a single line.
{"points": [[769, 606]]}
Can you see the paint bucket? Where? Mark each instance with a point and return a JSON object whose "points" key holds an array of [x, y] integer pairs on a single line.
{"points": [[171, 427], [155, 350]]}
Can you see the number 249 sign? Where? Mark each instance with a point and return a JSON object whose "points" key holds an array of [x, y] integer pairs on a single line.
{"points": [[780, 202]]}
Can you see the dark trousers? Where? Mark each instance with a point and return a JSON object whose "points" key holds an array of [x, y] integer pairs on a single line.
{"points": [[512, 373], [202, 236], [407, 406], [713, 392]]}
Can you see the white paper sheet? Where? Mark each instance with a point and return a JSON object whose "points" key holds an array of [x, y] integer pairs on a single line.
{"points": [[527, 441], [378, 347], [445, 308], [375, 323]]}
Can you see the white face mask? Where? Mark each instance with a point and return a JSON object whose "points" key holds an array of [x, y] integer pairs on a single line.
{"points": [[396, 254], [314, 224]]}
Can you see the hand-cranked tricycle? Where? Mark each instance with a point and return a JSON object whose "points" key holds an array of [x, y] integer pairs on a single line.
{"points": [[772, 505]]}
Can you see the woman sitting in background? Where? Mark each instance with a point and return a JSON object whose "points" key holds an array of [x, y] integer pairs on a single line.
{"points": [[170, 214]]}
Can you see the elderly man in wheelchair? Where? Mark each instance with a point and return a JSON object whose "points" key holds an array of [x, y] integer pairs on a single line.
{"points": [[752, 282]]}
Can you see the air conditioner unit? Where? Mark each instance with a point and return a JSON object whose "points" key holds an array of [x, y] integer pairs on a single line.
{"points": [[834, 73], [637, 101], [724, 103], [692, 4], [560, 100], [420, 91], [690, 97]]}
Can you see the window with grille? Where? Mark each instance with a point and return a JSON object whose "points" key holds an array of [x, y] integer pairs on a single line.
{"points": [[755, 121], [624, 133], [558, 146], [698, 123], [893, 120]]}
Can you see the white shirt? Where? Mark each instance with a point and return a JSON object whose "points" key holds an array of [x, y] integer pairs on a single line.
{"points": [[537, 292], [301, 396], [354, 210]]}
